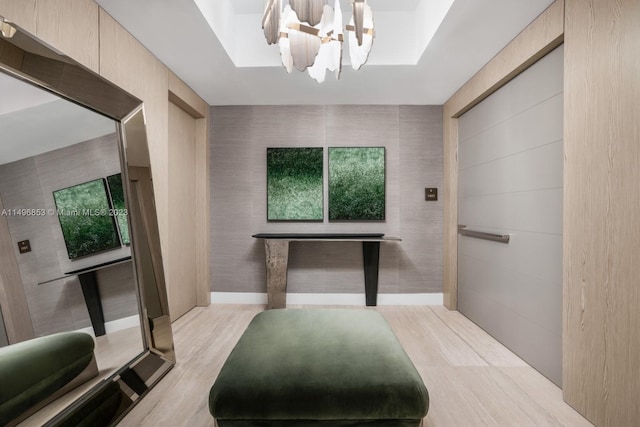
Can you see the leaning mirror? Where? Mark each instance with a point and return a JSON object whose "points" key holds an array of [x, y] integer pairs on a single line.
{"points": [[84, 325]]}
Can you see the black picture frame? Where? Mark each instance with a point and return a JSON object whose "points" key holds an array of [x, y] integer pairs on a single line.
{"points": [[295, 184], [357, 184], [85, 215]]}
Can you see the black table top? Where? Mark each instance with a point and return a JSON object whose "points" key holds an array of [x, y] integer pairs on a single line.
{"points": [[318, 235], [98, 266]]}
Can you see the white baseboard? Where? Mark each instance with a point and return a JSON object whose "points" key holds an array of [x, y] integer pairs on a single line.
{"points": [[328, 299], [116, 325]]}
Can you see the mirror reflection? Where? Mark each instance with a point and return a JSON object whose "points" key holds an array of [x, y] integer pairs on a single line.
{"points": [[64, 229]]}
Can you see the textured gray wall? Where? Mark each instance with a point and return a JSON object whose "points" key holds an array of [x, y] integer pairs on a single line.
{"points": [[412, 136], [59, 305]]}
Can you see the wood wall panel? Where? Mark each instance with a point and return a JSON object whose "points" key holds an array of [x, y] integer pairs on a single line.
{"points": [[181, 271], [13, 300], [125, 62], [203, 212], [543, 35], [450, 210], [71, 26], [21, 12], [601, 204], [184, 97]]}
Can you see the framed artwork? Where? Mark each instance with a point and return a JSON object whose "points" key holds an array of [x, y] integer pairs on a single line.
{"points": [[85, 217], [119, 209], [356, 184], [294, 184]]}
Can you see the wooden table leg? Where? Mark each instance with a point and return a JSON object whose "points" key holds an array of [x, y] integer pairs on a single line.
{"points": [[277, 257], [371, 258]]}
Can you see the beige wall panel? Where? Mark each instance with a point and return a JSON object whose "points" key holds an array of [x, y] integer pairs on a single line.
{"points": [[182, 95], [127, 63], [450, 223], [22, 12], [181, 278], [540, 37], [601, 204], [70, 26], [185, 98], [203, 213], [13, 300]]}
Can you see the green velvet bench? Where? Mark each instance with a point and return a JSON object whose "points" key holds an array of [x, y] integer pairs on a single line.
{"points": [[329, 368], [33, 373]]}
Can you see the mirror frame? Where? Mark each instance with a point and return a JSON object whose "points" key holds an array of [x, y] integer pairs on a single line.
{"points": [[25, 57]]}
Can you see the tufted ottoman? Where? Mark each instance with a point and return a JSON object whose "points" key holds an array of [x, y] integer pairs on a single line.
{"points": [[295, 367]]}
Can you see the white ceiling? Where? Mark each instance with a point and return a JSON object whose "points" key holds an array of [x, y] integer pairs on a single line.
{"points": [[33, 121], [423, 52]]}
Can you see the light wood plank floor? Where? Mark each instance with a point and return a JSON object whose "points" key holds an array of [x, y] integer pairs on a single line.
{"points": [[472, 379]]}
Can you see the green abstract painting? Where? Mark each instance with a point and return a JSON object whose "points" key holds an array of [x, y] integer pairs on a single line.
{"points": [[356, 184], [85, 217], [294, 184]]}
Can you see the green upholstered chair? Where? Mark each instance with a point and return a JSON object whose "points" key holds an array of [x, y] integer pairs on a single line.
{"points": [[338, 368], [35, 372]]}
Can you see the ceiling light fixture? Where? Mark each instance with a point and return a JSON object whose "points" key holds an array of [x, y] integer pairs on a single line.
{"points": [[310, 34], [6, 30]]}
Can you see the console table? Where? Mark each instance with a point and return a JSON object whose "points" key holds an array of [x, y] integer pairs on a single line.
{"points": [[276, 246], [89, 285]]}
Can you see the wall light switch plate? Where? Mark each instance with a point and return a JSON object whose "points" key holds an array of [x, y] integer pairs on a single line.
{"points": [[431, 194], [24, 246]]}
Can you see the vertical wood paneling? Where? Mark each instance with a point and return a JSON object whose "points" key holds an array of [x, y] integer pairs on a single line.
{"points": [[13, 300], [185, 98], [602, 200], [71, 26], [539, 38], [181, 277], [203, 213], [125, 62], [450, 221], [21, 12]]}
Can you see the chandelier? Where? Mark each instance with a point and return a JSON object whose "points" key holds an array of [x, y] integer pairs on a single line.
{"points": [[310, 34]]}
